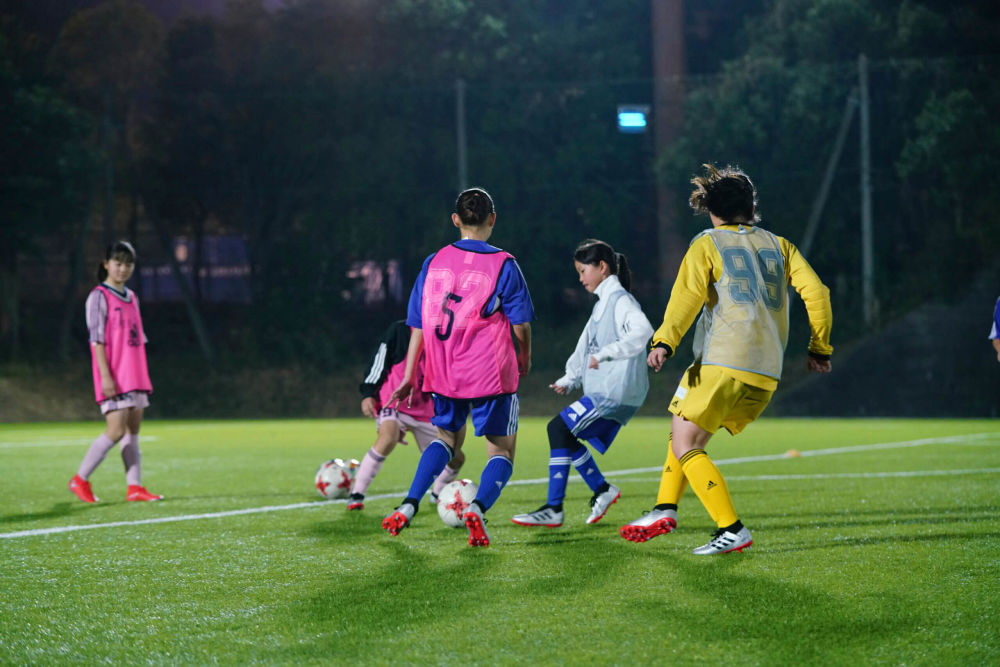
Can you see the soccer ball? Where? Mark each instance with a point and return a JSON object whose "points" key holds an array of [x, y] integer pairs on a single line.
{"points": [[454, 500], [335, 477]]}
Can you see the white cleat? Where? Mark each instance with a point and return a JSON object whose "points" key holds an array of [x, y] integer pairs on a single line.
{"points": [[600, 503], [543, 516], [724, 542]]}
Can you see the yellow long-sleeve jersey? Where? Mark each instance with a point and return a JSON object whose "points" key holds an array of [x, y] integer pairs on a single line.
{"points": [[737, 277]]}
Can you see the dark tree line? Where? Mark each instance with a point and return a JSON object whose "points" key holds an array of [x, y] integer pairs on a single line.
{"points": [[325, 132]]}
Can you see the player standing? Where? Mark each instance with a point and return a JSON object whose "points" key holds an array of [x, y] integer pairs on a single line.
{"points": [[737, 275], [465, 302], [394, 420], [121, 376], [610, 363]]}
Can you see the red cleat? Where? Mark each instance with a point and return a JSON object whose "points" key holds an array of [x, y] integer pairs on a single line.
{"points": [[399, 519], [138, 493], [649, 525], [474, 521], [81, 488]]}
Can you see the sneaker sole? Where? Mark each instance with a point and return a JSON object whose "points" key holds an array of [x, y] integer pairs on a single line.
{"points": [[592, 520], [395, 523], [356, 506], [645, 533], [738, 549], [143, 500], [477, 531], [536, 525]]}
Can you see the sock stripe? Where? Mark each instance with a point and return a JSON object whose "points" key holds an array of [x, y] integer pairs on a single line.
{"points": [[692, 455], [451, 452], [502, 458]]}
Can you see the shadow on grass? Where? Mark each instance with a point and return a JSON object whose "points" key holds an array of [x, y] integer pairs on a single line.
{"points": [[71, 509], [422, 580], [735, 615], [914, 516], [59, 510], [874, 540]]}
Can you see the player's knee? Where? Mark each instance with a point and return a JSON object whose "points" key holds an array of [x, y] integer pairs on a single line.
{"points": [[560, 436]]}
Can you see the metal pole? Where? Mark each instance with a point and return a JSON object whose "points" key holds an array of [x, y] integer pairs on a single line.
{"points": [[460, 134], [667, 25], [824, 189], [867, 253]]}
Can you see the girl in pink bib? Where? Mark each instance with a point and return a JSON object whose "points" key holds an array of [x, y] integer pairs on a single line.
{"points": [[121, 376]]}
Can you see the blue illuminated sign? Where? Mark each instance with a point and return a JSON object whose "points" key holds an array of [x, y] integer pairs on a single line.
{"points": [[633, 118]]}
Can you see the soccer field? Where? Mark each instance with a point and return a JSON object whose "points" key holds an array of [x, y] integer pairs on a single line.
{"points": [[878, 545]]}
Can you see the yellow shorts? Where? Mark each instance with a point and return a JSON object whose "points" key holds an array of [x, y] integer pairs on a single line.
{"points": [[711, 399]]}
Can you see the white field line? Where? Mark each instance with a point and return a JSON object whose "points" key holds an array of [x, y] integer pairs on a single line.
{"points": [[64, 443], [185, 517], [848, 475], [971, 439], [952, 440]]}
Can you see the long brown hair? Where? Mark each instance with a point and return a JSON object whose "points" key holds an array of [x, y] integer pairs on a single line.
{"points": [[728, 193]]}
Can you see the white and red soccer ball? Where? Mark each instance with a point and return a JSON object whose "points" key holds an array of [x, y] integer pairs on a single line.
{"points": [[335, 477], [454, 500]]}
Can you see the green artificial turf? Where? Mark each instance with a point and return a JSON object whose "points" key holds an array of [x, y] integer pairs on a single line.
{"points": [[879, 545]]}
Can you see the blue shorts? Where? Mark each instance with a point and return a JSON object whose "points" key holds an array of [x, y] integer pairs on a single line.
{"points": [[583, 421], [490, 416]]}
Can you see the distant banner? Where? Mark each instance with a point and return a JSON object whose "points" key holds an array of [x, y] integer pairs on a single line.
{"points": [[224, 276]]}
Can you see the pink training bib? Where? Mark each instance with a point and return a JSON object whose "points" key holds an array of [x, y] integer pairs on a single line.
{"points": [[420, 404], [124, 346], [469, 352]]}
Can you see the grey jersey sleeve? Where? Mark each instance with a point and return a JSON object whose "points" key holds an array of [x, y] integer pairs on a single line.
{"points": [[97, 316]]}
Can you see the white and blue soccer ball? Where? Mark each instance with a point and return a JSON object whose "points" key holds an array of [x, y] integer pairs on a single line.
{"points": [[454, 500], [335, 477]]}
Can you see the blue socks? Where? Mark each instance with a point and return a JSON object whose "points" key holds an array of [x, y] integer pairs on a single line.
{"points": [[559, 460], [495, 476], [432, 462], [587, 467]]}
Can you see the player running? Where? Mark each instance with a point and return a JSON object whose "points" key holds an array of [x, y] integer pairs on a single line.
{"points": [[465, 302], [610, 363], [394, 419], [736, 274]]}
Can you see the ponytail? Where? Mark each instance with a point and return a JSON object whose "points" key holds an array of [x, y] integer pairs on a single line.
{"points": [[592, 251], [624, 273]]}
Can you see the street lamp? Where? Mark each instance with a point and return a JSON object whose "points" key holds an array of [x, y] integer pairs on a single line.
{"points": [[633, 118]]}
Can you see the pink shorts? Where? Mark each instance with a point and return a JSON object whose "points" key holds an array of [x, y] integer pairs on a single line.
{"points": [[130, 399], [423, 432]]}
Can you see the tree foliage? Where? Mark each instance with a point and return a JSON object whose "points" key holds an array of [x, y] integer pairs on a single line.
{"points": [[325, 132], [775, 109]]}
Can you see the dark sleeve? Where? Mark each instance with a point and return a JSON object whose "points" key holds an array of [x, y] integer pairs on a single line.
{"points": [[390, 351]]}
